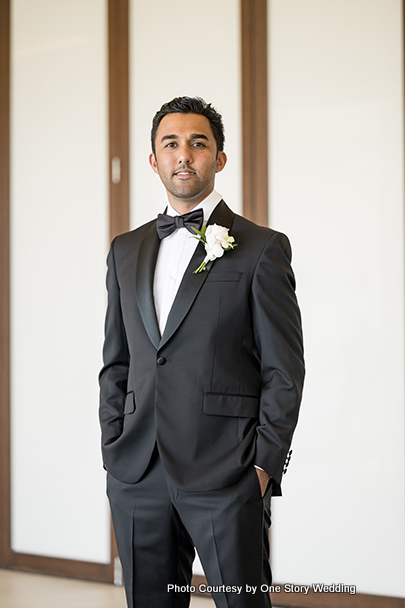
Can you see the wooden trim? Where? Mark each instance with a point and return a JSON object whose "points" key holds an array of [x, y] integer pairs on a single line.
{"points": [[70, 568], [198, 580], [118, 46], [254, 110], [4, 281]]}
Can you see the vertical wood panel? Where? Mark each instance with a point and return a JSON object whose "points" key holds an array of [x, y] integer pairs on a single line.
{"points": [[254, 110], [4, 281], [118, 100], [119, 113]]}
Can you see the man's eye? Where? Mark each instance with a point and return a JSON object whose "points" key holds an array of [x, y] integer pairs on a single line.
{"points": [[198, 144], [171, 144]]}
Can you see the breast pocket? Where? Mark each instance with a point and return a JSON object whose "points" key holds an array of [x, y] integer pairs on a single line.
{"points": [[223, 277]]}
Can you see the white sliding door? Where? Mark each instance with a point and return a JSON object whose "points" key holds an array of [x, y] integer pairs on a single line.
{"points": [[59, 239]]}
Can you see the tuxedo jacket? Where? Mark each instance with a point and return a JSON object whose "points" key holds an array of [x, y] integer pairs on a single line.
{"points": [[220, 390]]}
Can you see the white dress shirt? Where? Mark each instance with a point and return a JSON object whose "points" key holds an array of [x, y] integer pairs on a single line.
{"points": [[175, 253]]}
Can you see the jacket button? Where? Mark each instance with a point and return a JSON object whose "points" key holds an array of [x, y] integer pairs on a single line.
{"points": [[161, 361]]}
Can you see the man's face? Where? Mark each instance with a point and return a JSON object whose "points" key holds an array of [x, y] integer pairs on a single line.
{"points": [[186, 159]]}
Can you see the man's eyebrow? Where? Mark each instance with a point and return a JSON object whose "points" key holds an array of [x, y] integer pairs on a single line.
{"points": [[198, 136], [169, 137], [192, 136]]}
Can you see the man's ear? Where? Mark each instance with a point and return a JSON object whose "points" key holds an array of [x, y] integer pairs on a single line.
{"points": [[221, 161], [153, 163]]}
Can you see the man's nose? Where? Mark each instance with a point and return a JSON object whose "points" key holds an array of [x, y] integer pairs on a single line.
{"points": [[184, 154]]}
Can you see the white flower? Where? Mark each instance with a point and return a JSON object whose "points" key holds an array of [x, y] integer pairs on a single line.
{"points": [[216, 241]]}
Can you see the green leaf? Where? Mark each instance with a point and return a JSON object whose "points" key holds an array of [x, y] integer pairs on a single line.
{"points": [[198, 232]]}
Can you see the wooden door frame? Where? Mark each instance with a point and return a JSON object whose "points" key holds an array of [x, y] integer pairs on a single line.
{"points": [[254, 93]]}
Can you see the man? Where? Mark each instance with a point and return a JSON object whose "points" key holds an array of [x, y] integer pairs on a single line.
{"points": [[202, 380]]}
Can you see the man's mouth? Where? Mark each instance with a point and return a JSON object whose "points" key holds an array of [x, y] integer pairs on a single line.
{"points": [[184, 173]]}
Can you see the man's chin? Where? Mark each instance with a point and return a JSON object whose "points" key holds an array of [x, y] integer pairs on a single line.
{"points": [[185, 194]]}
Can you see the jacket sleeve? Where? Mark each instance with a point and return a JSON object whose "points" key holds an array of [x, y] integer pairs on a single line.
{"points": [[114, 374], [278, 336]]}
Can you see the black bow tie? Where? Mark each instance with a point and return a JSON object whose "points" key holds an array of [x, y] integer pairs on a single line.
{"points": [[167, 224]]}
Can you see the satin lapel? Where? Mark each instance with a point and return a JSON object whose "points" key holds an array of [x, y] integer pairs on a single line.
{"points": [[148, 253], [192, 283], [222, 215]]}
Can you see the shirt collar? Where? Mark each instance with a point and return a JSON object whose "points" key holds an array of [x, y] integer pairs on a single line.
{"points": [[207, 205]]}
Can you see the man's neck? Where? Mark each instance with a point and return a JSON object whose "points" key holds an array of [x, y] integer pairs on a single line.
{"points": [[207, 205], [185, 206]]}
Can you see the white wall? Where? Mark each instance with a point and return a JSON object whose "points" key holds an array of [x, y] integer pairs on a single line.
{"points": [[182, 50], [59, 239], [336, 188]]}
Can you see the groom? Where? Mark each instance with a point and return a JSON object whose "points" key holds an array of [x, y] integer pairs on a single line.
{"points": [[202, 380]]}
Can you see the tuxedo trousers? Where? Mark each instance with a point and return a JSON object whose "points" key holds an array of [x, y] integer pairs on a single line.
{"points": [[157, 527]]}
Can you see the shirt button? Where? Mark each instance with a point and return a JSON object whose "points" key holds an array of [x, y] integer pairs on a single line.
{"points": [[161, 361]]}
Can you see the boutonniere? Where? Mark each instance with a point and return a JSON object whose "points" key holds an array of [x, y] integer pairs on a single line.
{"points": [[216, 241]]}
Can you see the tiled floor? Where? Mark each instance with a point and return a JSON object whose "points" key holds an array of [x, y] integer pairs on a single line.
{"points": [[21, 590]]}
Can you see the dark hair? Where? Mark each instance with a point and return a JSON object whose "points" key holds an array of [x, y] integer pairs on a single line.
{"points": [[191, 105]]}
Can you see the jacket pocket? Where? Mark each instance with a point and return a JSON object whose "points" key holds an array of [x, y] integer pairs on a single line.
{"points": [[223, 276], [224, 404], [129, 406]]}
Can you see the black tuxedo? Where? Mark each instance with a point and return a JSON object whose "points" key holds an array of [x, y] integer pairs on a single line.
{"points": [[220, 390]]}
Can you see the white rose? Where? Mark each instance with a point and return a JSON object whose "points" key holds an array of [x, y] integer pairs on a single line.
{"points": [[216, 241], [216, 230], [214, 250], [217, 235]]}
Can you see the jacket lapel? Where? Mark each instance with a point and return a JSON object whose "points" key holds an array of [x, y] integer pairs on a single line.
{"points": [[192, 283], [147, 257], [222, 215]]}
